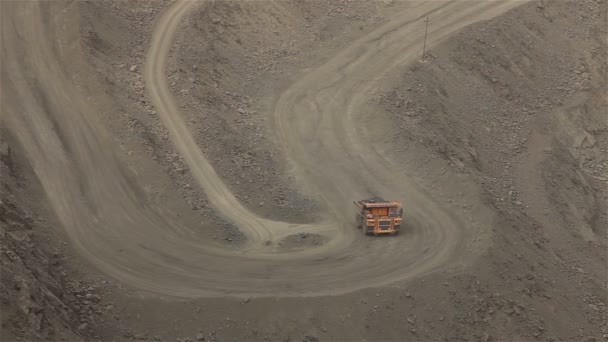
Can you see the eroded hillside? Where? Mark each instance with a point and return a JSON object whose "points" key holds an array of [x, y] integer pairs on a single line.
{"points": [[114, 228]]}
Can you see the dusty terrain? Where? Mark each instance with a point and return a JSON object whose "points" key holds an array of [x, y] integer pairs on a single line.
{"points": [[186, 170]]}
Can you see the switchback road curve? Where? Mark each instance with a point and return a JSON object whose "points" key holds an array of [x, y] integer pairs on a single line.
{"points": [[113, 224]]}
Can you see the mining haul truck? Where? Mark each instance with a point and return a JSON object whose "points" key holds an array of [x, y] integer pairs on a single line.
{"points": [[377, 216]]}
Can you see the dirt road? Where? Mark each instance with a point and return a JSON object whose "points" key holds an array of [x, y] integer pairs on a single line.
{"points": [[121, 230]]}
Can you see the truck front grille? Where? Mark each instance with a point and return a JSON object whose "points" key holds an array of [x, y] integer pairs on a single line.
{"points": [[384, 225]]}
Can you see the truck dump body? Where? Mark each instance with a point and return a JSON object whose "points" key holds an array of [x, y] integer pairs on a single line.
{"points": [[377, 216]]}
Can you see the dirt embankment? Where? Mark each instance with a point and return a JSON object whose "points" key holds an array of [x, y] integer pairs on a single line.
{"points": [[519, 104], [231, 61], [42, 296], [115, 39]]}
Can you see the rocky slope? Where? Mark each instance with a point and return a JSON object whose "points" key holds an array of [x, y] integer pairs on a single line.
{"points": [[42, 296], [516, 104], [231, 61]]}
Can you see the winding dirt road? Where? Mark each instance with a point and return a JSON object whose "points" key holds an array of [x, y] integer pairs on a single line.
{"points": [[119, 229]]}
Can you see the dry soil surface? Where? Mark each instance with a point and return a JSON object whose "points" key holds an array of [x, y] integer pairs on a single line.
{"points": [[495, 143]]}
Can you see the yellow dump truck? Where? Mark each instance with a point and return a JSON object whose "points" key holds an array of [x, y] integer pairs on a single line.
{"points": [[377, 216]]}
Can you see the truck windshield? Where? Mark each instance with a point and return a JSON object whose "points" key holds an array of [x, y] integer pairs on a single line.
{"points": [[380, 211]]}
